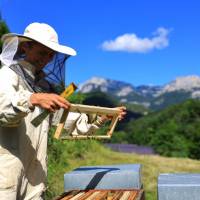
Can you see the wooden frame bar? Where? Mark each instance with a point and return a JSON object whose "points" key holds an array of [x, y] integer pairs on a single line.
{"points": [[114, 112], [118, 194]]}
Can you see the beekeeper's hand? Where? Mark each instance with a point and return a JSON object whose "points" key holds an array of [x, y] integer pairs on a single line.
{"points": [[122, 112], [121, 115], [51, 102]]}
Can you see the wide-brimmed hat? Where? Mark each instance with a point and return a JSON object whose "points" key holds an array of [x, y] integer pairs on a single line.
{"points": [[44, 34]]}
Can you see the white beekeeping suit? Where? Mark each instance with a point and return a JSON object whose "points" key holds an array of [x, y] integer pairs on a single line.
{"points": [[23, 147]]}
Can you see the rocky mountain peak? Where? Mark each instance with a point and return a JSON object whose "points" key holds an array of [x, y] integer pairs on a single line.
{"points": [[187, 83], [106, 85], [151, 96]]}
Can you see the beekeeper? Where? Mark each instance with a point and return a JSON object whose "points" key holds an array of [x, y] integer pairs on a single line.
{"points": [[31, 77], [31, 66]]}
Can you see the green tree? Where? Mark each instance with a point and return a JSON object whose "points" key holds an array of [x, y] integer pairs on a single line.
{"points": [[174, 131], [3, 29]]}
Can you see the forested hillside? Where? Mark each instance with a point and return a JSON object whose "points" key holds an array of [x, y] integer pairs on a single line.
{"points": [[174, 131]]}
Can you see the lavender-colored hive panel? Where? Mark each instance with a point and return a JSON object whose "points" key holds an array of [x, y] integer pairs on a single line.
{"points": [[180, 186], [126, 176]]}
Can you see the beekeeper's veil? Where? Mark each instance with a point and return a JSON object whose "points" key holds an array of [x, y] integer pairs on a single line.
{"points": [[44, 34]]}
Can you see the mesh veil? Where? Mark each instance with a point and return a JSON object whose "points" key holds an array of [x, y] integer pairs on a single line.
{"points": [[9, 50], [55, 72]]}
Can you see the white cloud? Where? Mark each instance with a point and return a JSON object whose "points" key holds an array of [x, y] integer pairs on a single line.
{"points": [[132, 43]]}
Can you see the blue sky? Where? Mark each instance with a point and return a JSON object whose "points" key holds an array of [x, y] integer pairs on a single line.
{"points": [[139, 42]]}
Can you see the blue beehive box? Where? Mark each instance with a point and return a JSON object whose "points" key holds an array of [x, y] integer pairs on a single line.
{"points": [[126, 176], [179, 186]]}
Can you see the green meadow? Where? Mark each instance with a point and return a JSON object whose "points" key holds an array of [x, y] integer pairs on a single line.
{"points": [[67, 155]]}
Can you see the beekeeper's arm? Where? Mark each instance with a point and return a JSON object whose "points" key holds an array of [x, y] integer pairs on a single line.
{"points": [[76, 123], [16, 102], [83, 125]]}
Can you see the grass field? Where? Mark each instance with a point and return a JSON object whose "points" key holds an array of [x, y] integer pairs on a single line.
{"points": [[92, 153]]}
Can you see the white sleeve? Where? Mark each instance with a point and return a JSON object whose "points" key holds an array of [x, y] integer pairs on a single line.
{"points": [[76, 124], [83, 127], [14, 98]]}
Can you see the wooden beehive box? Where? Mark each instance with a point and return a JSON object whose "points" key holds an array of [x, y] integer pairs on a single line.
{"points": [[102, 195]]}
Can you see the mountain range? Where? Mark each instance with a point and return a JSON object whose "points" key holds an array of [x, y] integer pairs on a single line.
{"points": [[150, 96]]}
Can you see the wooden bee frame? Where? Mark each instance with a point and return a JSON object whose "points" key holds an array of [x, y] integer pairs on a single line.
{"points": [[114, 112], [121, 194]]}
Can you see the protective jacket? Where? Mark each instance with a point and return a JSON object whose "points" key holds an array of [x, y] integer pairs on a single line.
{"points": [[23, 147]]}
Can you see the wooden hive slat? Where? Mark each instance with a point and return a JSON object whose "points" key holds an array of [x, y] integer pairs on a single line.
{"points": [[133, 194], [117, 195], [125, 195], [93, 195], [104, 195], [86, 195]]}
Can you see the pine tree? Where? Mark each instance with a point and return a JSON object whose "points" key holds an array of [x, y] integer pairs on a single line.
{"points": [[3, 29]]}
